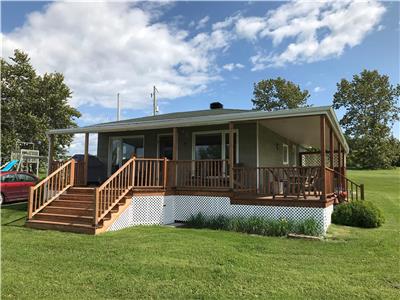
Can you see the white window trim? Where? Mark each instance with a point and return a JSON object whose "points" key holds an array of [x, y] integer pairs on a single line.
{"points": [[222, 132], [117, 137], [158, 141], [285, 154]]}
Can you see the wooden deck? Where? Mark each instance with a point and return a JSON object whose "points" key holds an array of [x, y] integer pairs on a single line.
{"points": [[56, 202]]}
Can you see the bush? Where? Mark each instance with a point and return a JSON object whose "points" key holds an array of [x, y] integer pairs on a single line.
{"points": [[256, 225], [358, 213]]}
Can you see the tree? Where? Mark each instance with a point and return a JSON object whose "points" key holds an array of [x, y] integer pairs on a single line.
{"points": [[276, 94], [370, 104], [31, 105]]}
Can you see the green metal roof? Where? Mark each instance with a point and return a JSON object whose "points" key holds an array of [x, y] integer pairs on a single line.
{"points": [[176, 115]]}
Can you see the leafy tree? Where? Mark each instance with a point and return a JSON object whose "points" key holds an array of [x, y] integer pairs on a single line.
{"points": [[370, 104], [276, 94], [32, 104]]}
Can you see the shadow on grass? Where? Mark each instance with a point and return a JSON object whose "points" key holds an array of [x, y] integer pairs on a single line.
{"points": [[13, 214]]}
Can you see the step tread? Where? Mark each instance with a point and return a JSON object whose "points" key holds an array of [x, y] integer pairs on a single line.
{"points": [[60, 223], [62, 215], [68, 207], [74, 200]]}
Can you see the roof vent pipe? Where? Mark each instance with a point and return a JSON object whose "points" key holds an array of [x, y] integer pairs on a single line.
{"points": [[216, 105]]}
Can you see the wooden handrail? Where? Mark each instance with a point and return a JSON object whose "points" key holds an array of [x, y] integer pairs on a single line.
{"points": [[212, 174], [282, 180], [113, 190], [345, 187], [79, 170], [51, 187]]}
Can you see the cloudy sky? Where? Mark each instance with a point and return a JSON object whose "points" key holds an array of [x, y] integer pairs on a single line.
{"points": [[198, 52]]}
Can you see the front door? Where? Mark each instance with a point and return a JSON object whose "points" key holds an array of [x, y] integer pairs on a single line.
{"points": [[122, 149]]}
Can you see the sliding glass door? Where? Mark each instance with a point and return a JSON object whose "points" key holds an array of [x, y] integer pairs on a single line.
{"points": [[122, 149], [213, 145]]}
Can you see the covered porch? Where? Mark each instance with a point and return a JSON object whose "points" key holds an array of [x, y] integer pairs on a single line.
{"points": [[309, 175], [268, 163]]}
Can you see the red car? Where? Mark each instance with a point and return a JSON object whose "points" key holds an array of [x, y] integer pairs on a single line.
{"points": [[14, 186]]}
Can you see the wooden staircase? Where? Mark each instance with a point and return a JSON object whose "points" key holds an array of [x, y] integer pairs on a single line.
{"points": [[73, 211]]}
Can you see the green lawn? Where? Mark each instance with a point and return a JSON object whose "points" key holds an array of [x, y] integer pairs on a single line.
{"points": [[162, 262]]}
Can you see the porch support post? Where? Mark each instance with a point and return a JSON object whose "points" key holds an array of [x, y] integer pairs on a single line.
{"points": [[231, 154], [344, 168], [340, 164], [51, 153], [175, 155], [323, 155], [86, 159], [175, 144], [331, 148]]}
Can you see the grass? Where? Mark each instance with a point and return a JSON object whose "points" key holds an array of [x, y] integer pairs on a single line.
{"points": [[164, 262]]}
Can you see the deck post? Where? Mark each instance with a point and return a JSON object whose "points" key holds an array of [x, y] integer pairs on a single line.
{"points": [[331, 149], [231, 154], [133, 171], [175, 138], [344, 168], [96, 207], [30, 202], [361, 191], [72, 173], [51, 153], [165, 173], [323, 155], [340, 181], [86, 159]]}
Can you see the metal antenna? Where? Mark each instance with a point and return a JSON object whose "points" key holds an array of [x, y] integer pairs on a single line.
{"points": [[118, 108], [155, 105]]}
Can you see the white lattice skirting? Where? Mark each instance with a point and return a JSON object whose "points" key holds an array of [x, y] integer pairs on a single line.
{"points": [[150, 210]]}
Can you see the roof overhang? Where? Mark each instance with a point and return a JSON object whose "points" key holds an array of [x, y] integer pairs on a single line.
{"points": [[212, 120]]}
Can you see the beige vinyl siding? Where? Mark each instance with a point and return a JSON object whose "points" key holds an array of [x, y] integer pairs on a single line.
{"points": [[271, 148]]}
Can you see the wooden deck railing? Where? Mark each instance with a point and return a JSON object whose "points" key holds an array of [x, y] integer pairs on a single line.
{"points": [[150, 173], [79, 170], [212, 174], [113, 190], [278, 181], [344, 188], [51, 187]]}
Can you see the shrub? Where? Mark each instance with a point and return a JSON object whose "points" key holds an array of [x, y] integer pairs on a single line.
{"points": [[358, 213], [256, 225]]}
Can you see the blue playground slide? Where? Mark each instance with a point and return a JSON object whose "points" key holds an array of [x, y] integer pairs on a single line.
{"points": [[9, 165]]}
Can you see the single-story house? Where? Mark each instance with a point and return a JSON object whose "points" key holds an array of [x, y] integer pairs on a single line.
{"points": [[164, 168]]}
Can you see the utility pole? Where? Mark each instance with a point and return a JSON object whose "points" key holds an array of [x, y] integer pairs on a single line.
{"points": [[118, 108], [155, 106]]}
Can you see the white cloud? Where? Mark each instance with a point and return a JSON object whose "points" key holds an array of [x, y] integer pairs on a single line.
{"points": [[202, 23], [104, 48], [232, 66], [78, 144], [318, 89], [249, 27], [314, 30]]}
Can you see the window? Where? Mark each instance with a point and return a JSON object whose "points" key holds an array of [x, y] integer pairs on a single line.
{"points": [[285, 154], [25, 178], [213, 145], [8, 178], [208, 146], [165, 146]]}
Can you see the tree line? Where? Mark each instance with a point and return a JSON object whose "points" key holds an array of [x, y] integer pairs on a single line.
{"points": [[31, 104]]}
